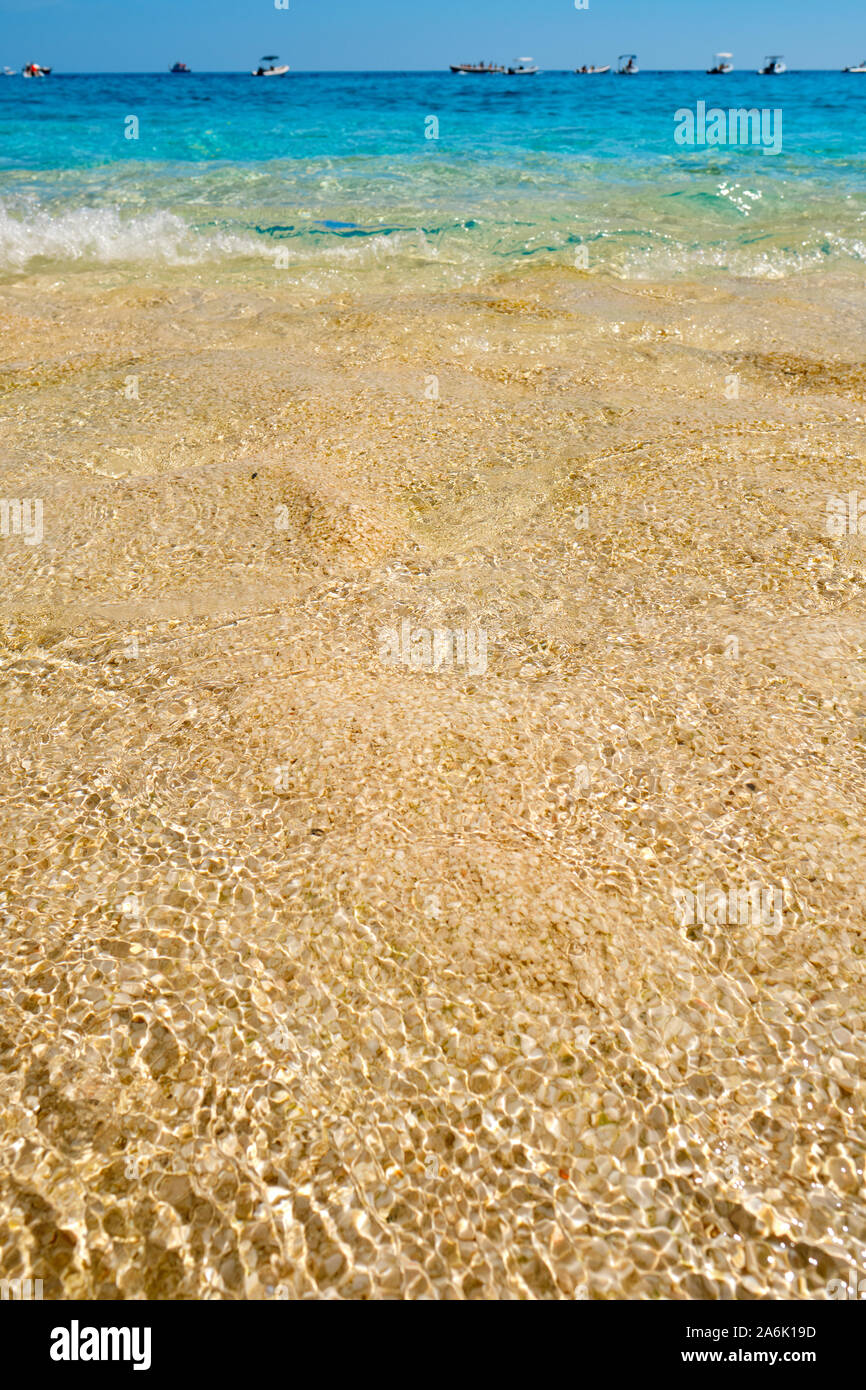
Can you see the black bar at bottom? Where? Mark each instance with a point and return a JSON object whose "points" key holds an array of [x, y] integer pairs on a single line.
{"points": [[228, 1340]]}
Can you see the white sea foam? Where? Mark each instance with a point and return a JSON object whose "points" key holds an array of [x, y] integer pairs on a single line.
{"points": [[102, 236], [750, 263], [106, 236]]}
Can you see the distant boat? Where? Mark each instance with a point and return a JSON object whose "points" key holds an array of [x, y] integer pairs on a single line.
{"points": [[9, 72], [179, 67], [271, 70], [627, 65], [591, 71], [856, 67], [773, 66], [721, 65], [522, 67], [476, 69], [34, 70]]}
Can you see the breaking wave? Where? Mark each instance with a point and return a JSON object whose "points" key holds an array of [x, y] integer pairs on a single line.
{"points": [[101, 236]]}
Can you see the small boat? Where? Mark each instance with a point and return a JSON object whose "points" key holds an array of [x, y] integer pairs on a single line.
{"points": [[522, 67], [773, 66], [721, 64], [591, 71], [475, 69], [627, 65], [9, 72], [856, 67], [271, 70], [34, 70], [179, 67]]}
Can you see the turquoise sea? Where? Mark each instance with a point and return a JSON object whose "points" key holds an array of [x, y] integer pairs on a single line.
{"points": [[451, 177]]}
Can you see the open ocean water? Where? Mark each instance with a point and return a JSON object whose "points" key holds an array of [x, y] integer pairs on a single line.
{"points": [[340, 173]]}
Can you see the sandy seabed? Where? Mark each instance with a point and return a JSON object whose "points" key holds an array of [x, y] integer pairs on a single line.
{"points": [[328, 976]]}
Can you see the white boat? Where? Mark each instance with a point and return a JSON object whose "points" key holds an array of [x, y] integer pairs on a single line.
{"points": [[271, 70], [627, 65], [773, 66], [9, 72], [34, 70], [591, 71], [721, 64], [856, 67], [522, 67]]}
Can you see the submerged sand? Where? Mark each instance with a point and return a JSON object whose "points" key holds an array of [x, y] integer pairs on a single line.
{"points": [[322, 975]]}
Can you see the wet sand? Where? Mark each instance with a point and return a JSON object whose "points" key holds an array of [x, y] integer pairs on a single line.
{"points": [[328, 976]]}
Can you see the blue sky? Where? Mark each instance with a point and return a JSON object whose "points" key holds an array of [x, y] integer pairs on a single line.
{"points": [[215, 35]]}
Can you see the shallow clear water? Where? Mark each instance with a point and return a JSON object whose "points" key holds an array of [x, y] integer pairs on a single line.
{"points": [[337, 171], [322, 976]]}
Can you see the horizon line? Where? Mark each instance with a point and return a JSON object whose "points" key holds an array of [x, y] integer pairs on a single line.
{"points": [[315, 72]]}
